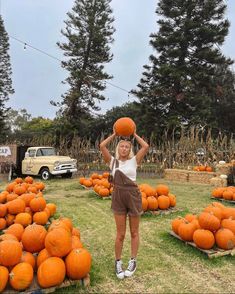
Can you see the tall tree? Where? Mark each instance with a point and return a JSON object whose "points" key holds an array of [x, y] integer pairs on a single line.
{"points": [[5, 77], [89, 33], [178, 83]]}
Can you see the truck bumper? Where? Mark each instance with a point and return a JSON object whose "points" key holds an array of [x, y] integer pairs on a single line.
{"points": [[64, 171]]}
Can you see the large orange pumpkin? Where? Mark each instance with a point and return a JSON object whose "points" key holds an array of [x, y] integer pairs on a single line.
{"points": [[16, 230], [204, 239], [48, 276], [58, 242], [124, 126], [78, 263], [33, 238]]}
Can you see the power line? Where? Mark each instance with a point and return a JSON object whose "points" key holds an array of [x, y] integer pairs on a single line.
{"points": [[55, 58], [39, 50]]}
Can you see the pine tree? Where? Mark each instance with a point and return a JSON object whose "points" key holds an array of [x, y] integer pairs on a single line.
{"points": [[177, 85], [5, 79], [89, 33]]}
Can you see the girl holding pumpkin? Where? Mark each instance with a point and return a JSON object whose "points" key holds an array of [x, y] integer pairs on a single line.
{"points": [[126, 197]]}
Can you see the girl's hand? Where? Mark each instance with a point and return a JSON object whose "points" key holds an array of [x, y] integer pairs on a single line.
{"points": [[114, 132]]}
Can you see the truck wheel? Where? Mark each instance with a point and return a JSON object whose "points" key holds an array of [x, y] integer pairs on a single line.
{"points": [[45, 174]]}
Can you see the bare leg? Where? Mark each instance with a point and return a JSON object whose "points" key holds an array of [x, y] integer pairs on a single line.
{"points": [[120, 220], [134, 230]]}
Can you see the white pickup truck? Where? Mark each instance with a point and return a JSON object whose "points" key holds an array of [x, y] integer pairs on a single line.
{"points": [[43, 161], [36, 161]]}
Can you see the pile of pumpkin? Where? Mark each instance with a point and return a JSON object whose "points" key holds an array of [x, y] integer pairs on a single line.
{"points": [[215, 225], [156, 198], [30, 243], [99, 183], [227, 193], [204, 168]]}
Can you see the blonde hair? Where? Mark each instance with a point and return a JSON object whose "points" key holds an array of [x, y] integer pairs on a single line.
{"points": [[131, 154]]}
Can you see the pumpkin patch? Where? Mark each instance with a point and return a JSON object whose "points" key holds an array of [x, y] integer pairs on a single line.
{"points": [[32, 241]]}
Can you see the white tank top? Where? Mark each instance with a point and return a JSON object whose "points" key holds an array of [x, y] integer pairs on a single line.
{"points": [[128, 167]]}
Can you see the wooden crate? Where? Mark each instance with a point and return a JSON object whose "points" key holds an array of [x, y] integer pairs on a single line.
{"points": [[223, 200], [211, 253], [35, 288], [162, 212]]}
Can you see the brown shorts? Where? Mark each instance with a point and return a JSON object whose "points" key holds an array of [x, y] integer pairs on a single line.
{"points": [[126, 196]]}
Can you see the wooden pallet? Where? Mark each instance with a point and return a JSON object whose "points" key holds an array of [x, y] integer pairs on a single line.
{"points": [[103, 198], [162, 212], [211, 253], [35, 288], [223, 200], [86, 188]]}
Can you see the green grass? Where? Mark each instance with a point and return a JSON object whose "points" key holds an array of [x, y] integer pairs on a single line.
{"points": [[165, 264]]}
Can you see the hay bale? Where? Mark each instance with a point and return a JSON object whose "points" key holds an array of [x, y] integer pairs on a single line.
{"points": [[200, 177], [218, 182], [224, 169], [176, 174]]}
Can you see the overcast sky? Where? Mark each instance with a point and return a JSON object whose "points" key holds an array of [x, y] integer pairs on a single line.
{"points": [[37, 77]]}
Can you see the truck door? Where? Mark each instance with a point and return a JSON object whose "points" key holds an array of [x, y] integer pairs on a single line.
{"points": [[28, 163]]}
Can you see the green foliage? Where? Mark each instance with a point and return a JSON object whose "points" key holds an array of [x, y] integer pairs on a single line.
{"points": [[5, 78], [89, 34], [179, 84]]}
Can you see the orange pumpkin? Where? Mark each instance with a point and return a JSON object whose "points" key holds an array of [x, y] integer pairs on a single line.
{"points": [[42, 256], [3, 223], [16, 230], [58, 242], [204, 239], [3, 210], [176, 223], [163, 202], [33, 238], [3, 277], [21, 276], [45, 278], [76, 243], [152, 203], [186, 230], [225, 239], [40, 217], [23, 218], [37, 204], [78, 263], [208, 221], [10, 252], [16, 206], [124, 126], [162, 189], [29, 258], [52, 208]]}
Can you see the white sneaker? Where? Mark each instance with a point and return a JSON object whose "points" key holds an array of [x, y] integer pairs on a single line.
{"points": [[131, 267], [118, 269]]}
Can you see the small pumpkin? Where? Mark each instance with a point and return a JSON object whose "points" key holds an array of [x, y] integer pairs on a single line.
{"points": [[16, 230], [10, 252], [4, 273], [124, 126], [21, 276], [225, 239], [48, 276]]}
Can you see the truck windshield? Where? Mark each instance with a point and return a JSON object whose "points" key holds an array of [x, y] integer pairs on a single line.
{"points": [[46, 152]]}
